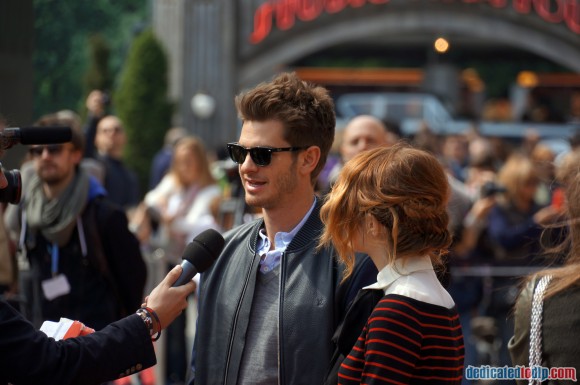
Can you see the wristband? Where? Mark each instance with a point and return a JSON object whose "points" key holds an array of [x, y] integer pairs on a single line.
{"points": [[146, 315], [152, 312]]}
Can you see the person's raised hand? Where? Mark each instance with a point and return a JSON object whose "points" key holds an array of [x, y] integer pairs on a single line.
{"points": [[96, 103], [168, 302]]}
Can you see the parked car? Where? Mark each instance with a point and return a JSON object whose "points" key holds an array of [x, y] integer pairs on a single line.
{"points": [[412, 110]]}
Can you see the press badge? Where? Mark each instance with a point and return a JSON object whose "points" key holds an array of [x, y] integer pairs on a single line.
{"points": [[55, 287]]}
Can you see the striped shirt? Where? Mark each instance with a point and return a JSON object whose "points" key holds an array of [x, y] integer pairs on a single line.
{"points": [[406, 341]]}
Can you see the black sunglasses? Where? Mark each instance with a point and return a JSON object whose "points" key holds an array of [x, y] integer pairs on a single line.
{"points": [[53, 149], [262, 156]]}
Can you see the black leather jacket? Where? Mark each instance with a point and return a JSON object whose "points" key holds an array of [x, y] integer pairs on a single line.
{"points": [[312, 303]]}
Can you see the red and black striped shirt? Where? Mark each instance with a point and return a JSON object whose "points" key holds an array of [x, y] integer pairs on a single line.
{"points": [[406, 341]]}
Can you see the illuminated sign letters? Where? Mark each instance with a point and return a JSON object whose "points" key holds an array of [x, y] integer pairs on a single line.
{"points": [[285, 12]]}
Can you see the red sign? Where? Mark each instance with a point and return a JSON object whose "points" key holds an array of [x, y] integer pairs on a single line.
{"points": [[285, 12]]}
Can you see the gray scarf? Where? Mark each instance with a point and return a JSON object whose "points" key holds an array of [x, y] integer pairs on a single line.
{"points": [[56, 218]]}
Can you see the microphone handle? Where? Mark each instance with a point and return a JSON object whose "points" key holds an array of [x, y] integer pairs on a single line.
{"points": [[189, 271]]}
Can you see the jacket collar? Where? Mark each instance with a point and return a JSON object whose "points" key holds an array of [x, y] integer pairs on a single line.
{"points": [[309, 233]]}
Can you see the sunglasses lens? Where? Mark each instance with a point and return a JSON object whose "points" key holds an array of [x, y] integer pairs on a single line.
{"points": [[237, 153], [261, 156], [53, 149]]}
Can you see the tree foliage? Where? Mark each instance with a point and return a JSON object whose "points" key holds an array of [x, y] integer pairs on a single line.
{"points": [[142, 104], [62, 30]]}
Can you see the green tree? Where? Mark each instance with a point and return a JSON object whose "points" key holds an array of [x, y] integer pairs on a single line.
{"points": [[61, 33], [142, 104], [98, 76]]}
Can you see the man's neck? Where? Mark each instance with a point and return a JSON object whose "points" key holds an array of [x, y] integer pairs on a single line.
{"points": [[285, 219]]}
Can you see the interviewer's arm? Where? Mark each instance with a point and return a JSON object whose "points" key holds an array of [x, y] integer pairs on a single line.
{"points": [[28, 356]]}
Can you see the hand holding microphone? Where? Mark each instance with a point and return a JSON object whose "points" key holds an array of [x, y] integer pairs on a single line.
{"points": [[200, 254], [169, 300]]}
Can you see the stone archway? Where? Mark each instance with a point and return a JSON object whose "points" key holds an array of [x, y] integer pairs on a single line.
{"points": [[219, 58], [527, 33]]}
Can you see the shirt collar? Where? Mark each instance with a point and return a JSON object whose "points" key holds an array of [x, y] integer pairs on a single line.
{"points": [[401, 267], [282, 239]]}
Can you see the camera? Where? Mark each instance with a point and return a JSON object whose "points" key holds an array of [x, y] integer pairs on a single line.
{"points": [[13, 191], [26, 135], [490, 188]]}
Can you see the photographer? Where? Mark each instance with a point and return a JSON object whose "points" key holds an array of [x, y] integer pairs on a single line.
{"points": [[514, 232], [74, 238]]}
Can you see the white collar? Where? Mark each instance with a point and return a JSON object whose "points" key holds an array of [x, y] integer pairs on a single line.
{"points": [[401, 267], [413, 277]]}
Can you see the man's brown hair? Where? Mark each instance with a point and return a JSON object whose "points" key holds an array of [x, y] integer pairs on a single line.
{"points": [[305, 110], [65, 118]]}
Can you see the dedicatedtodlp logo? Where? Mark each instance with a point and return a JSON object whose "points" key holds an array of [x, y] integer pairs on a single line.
{"points": [[540, 373]]}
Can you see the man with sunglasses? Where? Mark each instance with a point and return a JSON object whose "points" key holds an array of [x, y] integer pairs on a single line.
{"points": [[269, 305], [85, 264]]}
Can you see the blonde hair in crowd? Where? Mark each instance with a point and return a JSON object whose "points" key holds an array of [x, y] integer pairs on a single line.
{"points": [[196, 147], [515, 173], [405, 189]]}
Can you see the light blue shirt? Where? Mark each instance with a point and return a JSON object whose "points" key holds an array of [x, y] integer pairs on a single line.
{"points": [[270, 259]]}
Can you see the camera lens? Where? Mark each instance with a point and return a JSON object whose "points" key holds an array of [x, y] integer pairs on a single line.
{"points": [[13, 191]]}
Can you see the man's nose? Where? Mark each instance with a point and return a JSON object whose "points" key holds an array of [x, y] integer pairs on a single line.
{"points": [[248, 164]]}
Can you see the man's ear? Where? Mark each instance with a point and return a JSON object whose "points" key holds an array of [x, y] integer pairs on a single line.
{"points": [[309, 159]]}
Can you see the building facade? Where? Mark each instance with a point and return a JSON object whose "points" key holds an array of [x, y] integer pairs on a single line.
{"points": [[217, 48]]}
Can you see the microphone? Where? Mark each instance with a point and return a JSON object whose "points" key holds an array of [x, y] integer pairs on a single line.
{"points": [[199, 255], [34, 135]]}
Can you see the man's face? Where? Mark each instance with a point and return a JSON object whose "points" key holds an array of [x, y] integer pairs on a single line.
{"points": [[360, 135], [272, 186], [55, 164], [110, 137], [455, 148]]}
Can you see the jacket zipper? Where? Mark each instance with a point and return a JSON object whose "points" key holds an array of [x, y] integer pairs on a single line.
{"points": [[281, 286], [236, 317]]}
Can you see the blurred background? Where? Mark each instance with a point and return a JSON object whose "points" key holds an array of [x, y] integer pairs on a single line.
{"points": [[480, 78], [483, 61]]}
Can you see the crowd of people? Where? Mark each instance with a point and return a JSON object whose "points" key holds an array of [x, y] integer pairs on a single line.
{"points": [[360, 244]]}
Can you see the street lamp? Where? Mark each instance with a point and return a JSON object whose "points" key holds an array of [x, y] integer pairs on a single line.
{"points": [[203, 105], [441, 45]]}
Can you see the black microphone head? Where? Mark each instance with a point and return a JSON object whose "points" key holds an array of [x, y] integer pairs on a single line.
{"points": [[45, 135], [204, 249]]}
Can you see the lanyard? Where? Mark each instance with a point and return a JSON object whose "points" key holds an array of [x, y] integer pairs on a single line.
{"points": [[54, 254]]}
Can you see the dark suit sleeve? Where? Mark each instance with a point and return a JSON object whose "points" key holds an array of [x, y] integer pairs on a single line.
{"points": [[126, 263], [90, 131], [28, 356]]}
